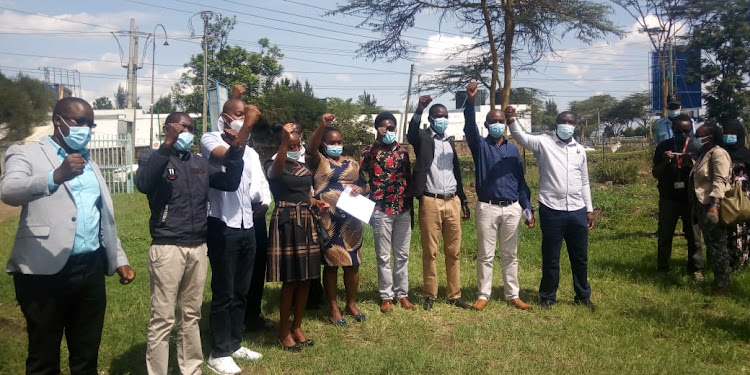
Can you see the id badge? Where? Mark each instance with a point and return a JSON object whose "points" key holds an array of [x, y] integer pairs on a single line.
{"points": [[679, 185]]}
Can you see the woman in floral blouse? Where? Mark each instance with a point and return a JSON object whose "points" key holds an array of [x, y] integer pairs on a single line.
{"points": [[388, 167]]}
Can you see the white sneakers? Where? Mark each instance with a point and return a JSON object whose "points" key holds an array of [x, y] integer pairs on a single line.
{"points": [[245, 353], [227, 366], [223, 365]]}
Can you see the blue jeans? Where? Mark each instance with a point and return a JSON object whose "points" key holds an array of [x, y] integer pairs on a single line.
{"points": [[231, 252], [572, 227]]}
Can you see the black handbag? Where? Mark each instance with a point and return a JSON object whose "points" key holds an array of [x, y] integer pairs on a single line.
{"points": [[323, 237]]}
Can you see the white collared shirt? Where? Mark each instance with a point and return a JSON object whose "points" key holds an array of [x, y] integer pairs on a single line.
{"points": [[563, 172], [234, 208]]}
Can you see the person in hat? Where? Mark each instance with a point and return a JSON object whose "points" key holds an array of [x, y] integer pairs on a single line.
{"points": [[664, 125]]}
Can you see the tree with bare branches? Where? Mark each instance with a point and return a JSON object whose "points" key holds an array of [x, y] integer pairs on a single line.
{"points": [[507, 32]]}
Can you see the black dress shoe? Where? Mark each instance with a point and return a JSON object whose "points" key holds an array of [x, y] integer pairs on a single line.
{"points": [[546, 304], [585, 302], [458, 302], [428, 302]]}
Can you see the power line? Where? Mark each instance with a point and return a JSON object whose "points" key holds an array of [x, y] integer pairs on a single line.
{"points": [[59, 19]]}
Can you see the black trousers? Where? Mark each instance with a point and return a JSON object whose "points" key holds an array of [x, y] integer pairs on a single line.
{"points": [[571, 226], [669, 212], [72, 302], [257, 285], [231, 252]]}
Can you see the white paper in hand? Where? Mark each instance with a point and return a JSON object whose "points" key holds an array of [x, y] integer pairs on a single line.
{"points": [[359, 206]]}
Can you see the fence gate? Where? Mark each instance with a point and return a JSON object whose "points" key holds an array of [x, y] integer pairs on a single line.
{"points": [[114, 156]]}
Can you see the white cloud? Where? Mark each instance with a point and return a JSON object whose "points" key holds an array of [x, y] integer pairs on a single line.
{"points": [[26, 23], [343, 77], [440, 48]]}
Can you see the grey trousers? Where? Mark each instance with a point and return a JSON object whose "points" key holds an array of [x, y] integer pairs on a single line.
{"points": [[392, 233]]}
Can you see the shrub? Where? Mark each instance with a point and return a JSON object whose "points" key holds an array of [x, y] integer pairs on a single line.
{"points": [[620, 173]]}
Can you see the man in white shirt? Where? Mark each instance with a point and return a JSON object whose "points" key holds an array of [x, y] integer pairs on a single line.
{"points": [[565, 208], [231, 242]]}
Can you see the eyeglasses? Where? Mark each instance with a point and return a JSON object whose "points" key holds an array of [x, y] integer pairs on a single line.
{"points": [[80, 121]]}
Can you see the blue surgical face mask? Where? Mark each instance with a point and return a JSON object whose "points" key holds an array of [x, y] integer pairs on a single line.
{"points": [[698, 142], [496, 129], [184, 141], [334, 151], [672, 113], [78, 136], [293, 155], [389, 138], [440, 124], [730, 139], [565, 131]]}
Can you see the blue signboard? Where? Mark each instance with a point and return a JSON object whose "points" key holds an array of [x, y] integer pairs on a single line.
{"points": [[688, 92]]}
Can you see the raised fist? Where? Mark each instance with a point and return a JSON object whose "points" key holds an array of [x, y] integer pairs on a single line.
{"points": [[510, 114], [328, 118], [253, 113], [238, 91], [471, 91], [424, 101]]}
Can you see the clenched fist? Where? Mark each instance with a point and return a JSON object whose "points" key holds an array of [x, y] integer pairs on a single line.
{"points": [[328, 118], [471, 92], [424, 101], [70, 168]]}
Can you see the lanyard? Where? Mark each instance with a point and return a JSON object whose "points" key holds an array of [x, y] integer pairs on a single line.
{"points": [[684, 149]]}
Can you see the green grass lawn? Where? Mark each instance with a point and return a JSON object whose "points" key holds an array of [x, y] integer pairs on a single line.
{"points": [[644, 323]]}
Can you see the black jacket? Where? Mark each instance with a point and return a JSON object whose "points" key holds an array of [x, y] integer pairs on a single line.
{"points": [[176, 185], [424, 148]]}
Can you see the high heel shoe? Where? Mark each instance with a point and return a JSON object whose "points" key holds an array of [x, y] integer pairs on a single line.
{"points": [[297, 347]]}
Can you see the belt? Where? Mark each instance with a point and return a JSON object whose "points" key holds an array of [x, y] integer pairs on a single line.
{"points": [[498, 202], [445, 197]]}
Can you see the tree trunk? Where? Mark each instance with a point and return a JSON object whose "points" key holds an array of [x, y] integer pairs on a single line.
{"points": [[510, 29], [493, 51]]}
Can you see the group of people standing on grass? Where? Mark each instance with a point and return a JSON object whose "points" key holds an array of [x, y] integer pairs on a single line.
{"points": [[694, 169], [211, 208]]}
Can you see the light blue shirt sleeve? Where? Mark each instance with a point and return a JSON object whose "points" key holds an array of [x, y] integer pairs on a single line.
{"points": [[51, 182]]}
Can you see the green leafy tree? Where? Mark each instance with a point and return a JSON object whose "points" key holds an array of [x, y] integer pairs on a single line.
{"points": [[631, 110], [549, 117], [102, 102], [506, 32], [721, 30], [230, 65], [353, 131], [164, 105], [369, 104], [25, 102], [282, 104], [121, 97], [588, 110]]}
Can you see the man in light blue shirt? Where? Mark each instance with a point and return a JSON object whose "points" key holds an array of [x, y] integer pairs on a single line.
{"points": [[66, 241], [664, 125]]}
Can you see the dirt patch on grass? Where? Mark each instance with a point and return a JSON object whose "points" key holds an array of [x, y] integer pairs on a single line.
{"points": [[8, 211]]}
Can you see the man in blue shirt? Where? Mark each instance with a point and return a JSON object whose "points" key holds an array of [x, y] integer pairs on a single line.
{"points": [[503, 197], [664, 125]]}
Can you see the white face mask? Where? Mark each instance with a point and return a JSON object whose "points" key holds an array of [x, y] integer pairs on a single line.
{"points": [[235, 125]]}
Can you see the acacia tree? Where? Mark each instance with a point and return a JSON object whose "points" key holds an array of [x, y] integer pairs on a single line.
{"points": [[669, 16], [721, 29], [523, 31]]}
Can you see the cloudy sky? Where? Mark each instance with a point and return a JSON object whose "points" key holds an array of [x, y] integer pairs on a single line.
{"points": [[77, 35]]}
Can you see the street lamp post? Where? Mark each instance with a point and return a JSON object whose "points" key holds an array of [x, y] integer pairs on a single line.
{"points": [[153, 67]]}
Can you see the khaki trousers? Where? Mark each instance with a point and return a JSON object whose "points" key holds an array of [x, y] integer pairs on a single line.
{"points": [[436, 217], [497, 224], [178, 275]]}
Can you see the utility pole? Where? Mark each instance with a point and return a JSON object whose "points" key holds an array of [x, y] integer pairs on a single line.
{"points": [[132, 97], [153, 68], [205, 15], [406, 109], [599, 126]]}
